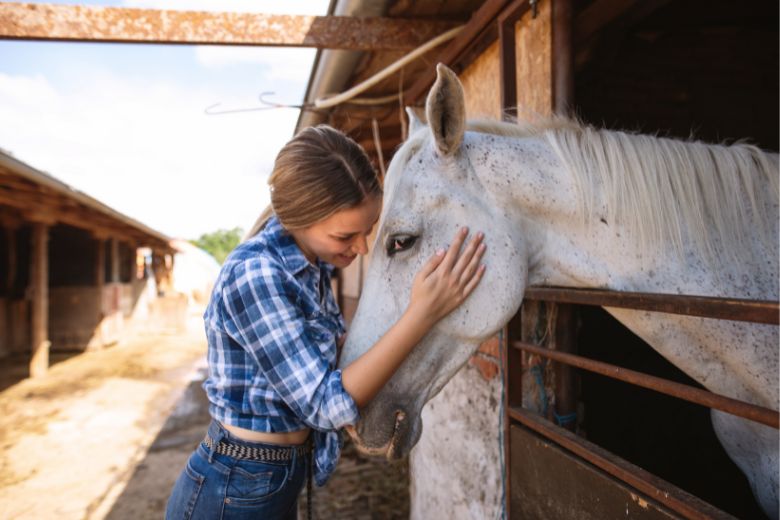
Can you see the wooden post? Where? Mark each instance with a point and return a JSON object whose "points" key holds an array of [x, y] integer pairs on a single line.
{"points": [[39, 278], [100, 263], [114, 260], [562, 56], [100, 284], [5, 334]]}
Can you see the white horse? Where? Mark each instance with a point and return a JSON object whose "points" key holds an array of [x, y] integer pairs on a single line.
{"points": [[564, 204]]}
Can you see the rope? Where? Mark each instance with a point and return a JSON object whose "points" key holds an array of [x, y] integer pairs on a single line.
{"points": [[327, 102]]}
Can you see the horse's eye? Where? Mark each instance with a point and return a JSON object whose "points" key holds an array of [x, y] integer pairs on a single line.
{"points": [[397, 243]]}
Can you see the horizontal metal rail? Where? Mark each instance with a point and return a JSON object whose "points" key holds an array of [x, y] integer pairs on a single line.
{"points": [[657, 489], [688, 393], [757, 311]]}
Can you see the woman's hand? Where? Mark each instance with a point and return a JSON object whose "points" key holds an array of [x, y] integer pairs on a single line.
{"points": [[443, 283], [448, 278]]}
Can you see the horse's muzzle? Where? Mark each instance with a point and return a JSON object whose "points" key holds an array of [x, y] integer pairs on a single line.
{"points": [[377, 439]]}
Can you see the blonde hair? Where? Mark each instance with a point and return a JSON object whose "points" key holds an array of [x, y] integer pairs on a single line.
{"points": [[318, 172]]}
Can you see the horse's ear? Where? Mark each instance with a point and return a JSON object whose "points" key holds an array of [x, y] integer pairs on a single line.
{"points": [[445, 109], [415, 123]]}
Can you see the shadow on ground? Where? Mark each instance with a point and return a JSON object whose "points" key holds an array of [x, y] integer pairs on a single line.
{"points": [[359, 489], [15, 368], [147, 490]]}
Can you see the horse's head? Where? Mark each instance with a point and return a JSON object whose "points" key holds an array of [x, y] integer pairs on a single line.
{"points": [[432, 189]]}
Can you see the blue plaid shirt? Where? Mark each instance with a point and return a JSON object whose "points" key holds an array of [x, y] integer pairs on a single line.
{"points": [[272, 336]]}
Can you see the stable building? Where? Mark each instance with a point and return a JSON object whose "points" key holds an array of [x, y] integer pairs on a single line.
{"points": [[74, 272]]}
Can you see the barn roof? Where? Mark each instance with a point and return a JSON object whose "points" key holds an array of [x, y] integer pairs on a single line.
{"points": [[601, 31], [30, 194]]}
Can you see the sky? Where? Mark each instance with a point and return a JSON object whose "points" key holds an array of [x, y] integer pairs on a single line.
{"points": [[126, 123]]}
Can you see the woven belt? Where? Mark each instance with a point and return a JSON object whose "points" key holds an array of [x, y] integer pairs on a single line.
{"points": [[239, 451]]}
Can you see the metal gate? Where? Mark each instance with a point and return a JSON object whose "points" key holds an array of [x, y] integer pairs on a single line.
{"points": [[553, 473]]}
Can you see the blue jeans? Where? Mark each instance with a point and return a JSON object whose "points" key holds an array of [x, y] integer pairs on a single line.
{"points": [[215, 486]]}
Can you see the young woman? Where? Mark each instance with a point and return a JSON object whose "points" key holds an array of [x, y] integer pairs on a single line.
{"points": [[273, 328]]}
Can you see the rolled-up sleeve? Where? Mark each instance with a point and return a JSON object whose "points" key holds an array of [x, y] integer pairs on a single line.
{"points": [[261, 313]]}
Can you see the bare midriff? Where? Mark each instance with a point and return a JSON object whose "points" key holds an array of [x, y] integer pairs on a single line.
{"points": [[287, 438]]}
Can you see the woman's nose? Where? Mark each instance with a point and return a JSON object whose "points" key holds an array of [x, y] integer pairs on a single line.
{"points": [[360, 246]]}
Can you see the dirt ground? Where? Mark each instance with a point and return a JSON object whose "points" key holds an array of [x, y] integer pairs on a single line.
{"points": [[105, 434], [70, 441]]}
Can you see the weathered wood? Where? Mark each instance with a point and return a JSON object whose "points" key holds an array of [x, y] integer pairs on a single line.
{"points": [[480, 79], [39, 279], [10, 276], [665, 494], [74, 215], [534, 63], [507, 43], [100, 263], [483, 17], [562, 56], [114, 261], [590, 489], [126, 25]]}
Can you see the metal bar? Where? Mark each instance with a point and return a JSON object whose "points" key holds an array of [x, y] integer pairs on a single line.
{"points": [[565, 388], [127, 25], [657, 489], [756, 311], [483, 17], [688, 393], [513, 395]]}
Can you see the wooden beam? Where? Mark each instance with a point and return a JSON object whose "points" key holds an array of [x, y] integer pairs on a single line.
{"points": [[124, 25], [480, 20], [61, 209]]}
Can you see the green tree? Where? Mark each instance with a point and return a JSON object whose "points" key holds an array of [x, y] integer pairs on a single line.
{"points": [[220, 242]]}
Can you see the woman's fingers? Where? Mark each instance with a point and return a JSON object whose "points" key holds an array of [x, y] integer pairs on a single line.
{"points": [[473, 282], [431, 265], [467, 256], [473, 263], [452, 253]]}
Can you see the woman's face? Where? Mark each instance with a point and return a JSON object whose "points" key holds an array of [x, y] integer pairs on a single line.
{"points": [[339, 238]]}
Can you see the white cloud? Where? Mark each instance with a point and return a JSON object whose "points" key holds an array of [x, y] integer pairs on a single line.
{"points": [[291, 64], [146, 148]]}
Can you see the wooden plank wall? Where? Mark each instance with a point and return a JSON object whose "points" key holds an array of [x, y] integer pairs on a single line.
{"points": [[533, 52]]}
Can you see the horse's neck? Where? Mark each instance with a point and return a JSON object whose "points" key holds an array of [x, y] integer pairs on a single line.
{"points": [[566, 250]]}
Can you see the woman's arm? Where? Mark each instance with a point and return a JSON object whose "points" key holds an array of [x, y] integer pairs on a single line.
{"points": [[442, 284]]}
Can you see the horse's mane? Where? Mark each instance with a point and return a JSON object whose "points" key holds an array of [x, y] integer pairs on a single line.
{"points": [[669, 193]]}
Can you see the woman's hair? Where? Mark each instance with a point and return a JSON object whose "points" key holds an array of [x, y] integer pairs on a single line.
{"points": [[318, 172]]}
